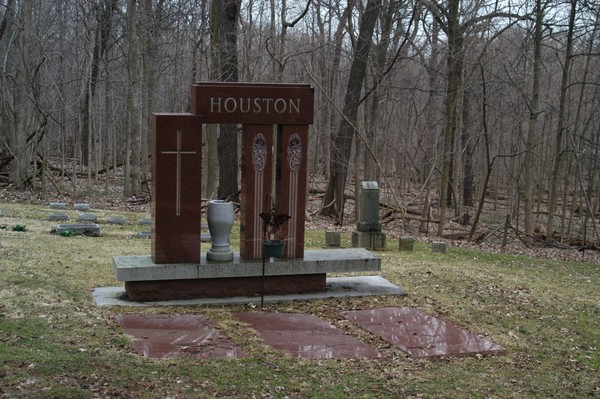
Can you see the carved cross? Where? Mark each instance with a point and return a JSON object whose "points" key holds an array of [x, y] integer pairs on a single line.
{"points": [[179, 152]]}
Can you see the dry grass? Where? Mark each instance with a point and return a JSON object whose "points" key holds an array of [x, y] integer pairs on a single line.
{"points": [[55, 343]]}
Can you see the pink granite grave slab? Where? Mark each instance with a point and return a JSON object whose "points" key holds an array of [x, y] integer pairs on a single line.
{"points": [[167, 336], [306, 336], [420, 334]]}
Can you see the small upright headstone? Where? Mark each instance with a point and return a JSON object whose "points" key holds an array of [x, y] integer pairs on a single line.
{"points": [[87, 217], [439, 247], [333, 239], [81, 207], [58, 205], [407, 244], [58, 216], [368, 212], [1, 214], [368, 228]]}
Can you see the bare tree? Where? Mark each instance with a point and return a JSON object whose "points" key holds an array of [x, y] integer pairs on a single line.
{"points": [[103, 11], [334, 197], [132, 131], [23, 118], [562, 121], [453, 24], [533, 118], [225, 15]]}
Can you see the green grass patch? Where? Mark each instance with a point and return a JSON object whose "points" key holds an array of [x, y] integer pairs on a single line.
{"points": [[55, 343]]}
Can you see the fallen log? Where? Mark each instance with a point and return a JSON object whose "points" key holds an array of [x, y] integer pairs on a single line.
{"points": [[396, 216]]}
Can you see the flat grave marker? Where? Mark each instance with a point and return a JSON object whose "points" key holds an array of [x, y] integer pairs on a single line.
{"points": [[83, 207], [88, 217], [306, 336], [167, 336], [420, 334], [57, 205], [58, 216], [120, 220]]}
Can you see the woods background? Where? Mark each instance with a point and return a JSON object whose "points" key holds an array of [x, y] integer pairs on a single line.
{"points": [[444, 103]]}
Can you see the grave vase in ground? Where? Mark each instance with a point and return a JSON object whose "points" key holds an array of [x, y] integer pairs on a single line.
{"points": [[220, 222]]}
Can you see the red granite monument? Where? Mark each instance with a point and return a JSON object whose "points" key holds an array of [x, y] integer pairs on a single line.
{"points": [[271, 115], [275, 120]]}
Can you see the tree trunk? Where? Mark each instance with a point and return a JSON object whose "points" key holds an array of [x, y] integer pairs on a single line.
{"points": [[562, 123], [533, 119], [211, 175], [132, 141], [489, 160], [468, 151], [334, 197], [381, 57], [575, 141], [149, 48], [228, 137], [454, 74], [101, 36], [332, 81], [17, 126], [432, 110]]}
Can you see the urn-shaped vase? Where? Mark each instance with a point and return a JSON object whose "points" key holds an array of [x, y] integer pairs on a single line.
{"points": [[220, 221]]}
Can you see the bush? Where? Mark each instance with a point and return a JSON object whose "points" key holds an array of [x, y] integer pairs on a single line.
{"points": [[19, 227]]}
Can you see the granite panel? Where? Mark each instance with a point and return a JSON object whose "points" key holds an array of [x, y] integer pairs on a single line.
{"points": [[177, 188], [420, 334], [306, 336], [168, 336]]}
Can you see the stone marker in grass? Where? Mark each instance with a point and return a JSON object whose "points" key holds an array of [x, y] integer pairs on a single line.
{"points": [[58, 216], [120, 220], [368, 232], [81, 207], [407, 244], [87, 217], [439, 247], [90, 230], [333, 239], [58, 205]]}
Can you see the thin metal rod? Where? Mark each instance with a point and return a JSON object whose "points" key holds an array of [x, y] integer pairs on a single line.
{"points": [[262, 290]]}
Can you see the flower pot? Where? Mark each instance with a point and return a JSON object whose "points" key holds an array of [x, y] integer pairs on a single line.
{"points": [[273, 248], [220, 221]]}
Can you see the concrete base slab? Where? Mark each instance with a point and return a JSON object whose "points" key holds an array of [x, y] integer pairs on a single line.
{"points": [[374, 240], [142, 268], [337, 287]]}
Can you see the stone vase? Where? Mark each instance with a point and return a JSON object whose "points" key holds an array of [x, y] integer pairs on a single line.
{"points": [[220, 221]]}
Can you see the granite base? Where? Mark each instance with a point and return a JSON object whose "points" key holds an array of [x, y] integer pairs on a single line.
{"points": [[166, 290]]}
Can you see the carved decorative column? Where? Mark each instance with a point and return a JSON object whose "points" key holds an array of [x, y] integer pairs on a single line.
{"points": [[257, 171]]}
